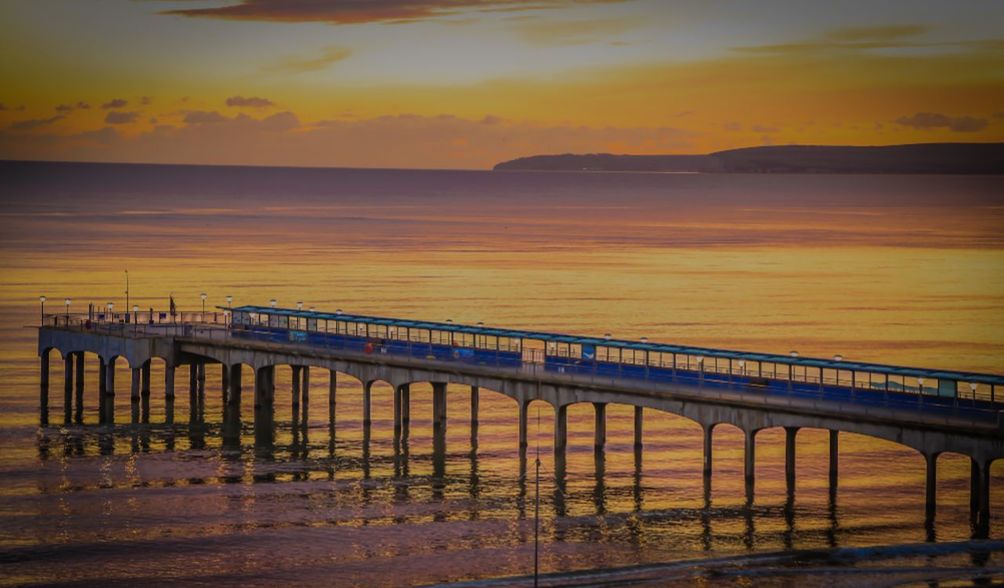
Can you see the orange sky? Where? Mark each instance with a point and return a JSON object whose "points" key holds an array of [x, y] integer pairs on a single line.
{"points": [[468, 83]]}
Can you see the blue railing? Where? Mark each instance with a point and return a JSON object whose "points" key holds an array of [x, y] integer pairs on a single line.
{"points": [[974, 409]]}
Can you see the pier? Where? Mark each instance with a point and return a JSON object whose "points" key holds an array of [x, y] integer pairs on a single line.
{"points": [[932, 411]]}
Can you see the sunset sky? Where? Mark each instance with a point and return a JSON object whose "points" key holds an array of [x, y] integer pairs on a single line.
{"points": [[468, 83]]}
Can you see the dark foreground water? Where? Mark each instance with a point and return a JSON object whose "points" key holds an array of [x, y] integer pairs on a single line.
{"points": [[895, 269]]}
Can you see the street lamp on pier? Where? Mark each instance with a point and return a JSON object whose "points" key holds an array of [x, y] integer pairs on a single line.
{"points": [[230, 300], [272, 302], [299, 305], [111, 316], [67, 303], [203, 296], [920, 385], [41, 300]]}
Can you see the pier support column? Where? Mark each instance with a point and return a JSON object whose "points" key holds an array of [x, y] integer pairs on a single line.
{"points": [[304, 394], [108, 400], [749, 465], [202, 390], [68, 387], [43, 386], [232, 405], [439, 406], [475, 402], [332, 396], [600, 429], [225, 386], [834, 458], [234, 387], [102, 388], [524, 408], [169, 394], [398, 392], [789, 458], [193, 391], [639, 420], [974, 487], [264, 406], [708, 446], [136, 377], [405, 406], [144, 391], [78, 385], [560, 430], [983, 507], [297, 380], [367, 403], [931, 487]]}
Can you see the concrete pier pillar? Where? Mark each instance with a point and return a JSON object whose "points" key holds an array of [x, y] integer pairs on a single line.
{"points": [[136, 377], [225, 386], [983, 505], [524, 409], [264, 406], [439, 405], [367, 403], [398, 392], [193, 390], [931, 487], [475, 402], [108, 400], [305, 390], [560, 429], [234, 387], [332, 396], [708, 446], [43, 387], [297, 381], [749, 464], [169, 394], [600, 429], [78, 386], [789, 457], [405, 406], [834, 457], [974, 487], [102, 388], [144, 392], [68, 387], [639, 420]]}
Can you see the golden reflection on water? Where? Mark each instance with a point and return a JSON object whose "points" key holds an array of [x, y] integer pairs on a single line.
{"points": [[891, 283]]}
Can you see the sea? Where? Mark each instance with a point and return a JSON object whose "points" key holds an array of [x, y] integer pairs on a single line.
{"points": [[906, 270]]}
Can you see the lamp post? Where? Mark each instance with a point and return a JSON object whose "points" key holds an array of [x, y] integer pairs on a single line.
{"points": [[203, 296], [299, 305], [67, 303], [972, 388], [272, 302], [41, 300], [230, 301], [135, 317], [111, 316], [920, 385], [742, 367]]}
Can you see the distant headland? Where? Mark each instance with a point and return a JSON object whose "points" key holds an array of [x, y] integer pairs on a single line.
{"points": [[920, 158]]}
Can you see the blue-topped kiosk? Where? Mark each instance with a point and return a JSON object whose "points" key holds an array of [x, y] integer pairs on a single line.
{"points": [[931, 410]]}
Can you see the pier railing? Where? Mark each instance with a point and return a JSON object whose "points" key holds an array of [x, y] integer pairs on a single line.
{"points": [[215, 327]]}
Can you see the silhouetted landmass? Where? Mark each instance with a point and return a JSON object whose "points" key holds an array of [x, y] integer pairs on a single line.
{"points": [[921, 158]]}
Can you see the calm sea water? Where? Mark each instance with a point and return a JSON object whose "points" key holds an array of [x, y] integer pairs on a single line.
{"points": [[905, 270]]}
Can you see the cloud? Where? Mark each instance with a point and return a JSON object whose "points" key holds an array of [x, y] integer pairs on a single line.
{"points": [[935, 120], [250, 102], [573, 32], [34, 123], [115, 103], [121, 118], [145, 100], [80, 105], [298, 64], [201, 117], [853, 38], [357, 11]]}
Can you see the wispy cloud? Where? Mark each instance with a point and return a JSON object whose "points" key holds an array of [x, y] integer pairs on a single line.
{"points": [[80, 105], [34, 123], [359, 11], [935, 120], [852, 38], [115, 103], [248, 102], [301, 64], [121, 118]]}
